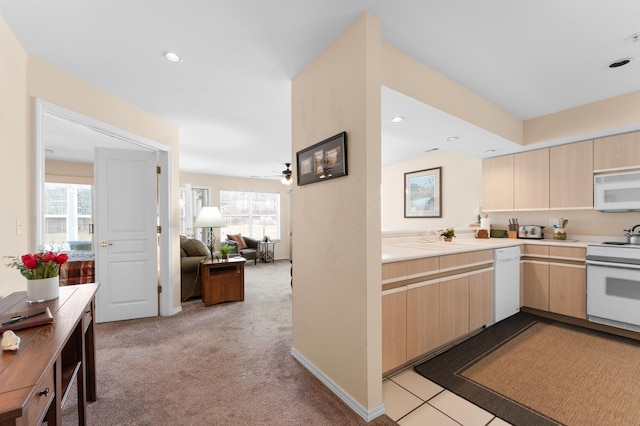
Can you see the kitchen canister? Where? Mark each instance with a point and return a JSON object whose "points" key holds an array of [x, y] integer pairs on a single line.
{"points": [[559, 234], [559, 231]]}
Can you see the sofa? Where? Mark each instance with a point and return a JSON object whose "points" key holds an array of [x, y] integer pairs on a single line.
{"points": [[244, 246], [192, 252]]}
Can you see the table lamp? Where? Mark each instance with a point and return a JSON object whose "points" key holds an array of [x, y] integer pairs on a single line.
{"points": [[210, 217]]}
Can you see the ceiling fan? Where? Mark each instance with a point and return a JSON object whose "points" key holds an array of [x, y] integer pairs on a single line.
{"points": [[285, 175]]}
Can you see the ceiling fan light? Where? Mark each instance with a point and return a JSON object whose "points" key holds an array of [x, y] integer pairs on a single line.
{"points": [[286, 180]]}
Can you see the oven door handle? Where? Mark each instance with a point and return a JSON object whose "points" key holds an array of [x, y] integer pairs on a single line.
{"points": [[613, 265]]}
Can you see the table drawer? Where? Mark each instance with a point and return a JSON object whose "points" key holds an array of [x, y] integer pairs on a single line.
{"points": [[87, 316], [43, 395]]}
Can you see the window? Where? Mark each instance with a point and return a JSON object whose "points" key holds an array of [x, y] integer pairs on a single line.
{"points": [[253, 214], [67, 213], [192, 200]]}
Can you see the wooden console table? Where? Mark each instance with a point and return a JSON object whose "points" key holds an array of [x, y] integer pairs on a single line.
{"points": [[222, 281], [35, 380]]}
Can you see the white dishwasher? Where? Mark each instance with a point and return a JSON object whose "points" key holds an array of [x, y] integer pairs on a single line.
{"points": [[506, 282]]}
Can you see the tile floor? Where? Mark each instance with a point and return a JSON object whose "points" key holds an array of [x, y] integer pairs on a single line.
{"points": [[412, 400]]}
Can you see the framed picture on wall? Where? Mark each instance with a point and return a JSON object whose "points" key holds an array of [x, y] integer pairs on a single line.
{"points": [[423, 193], [323, 161]]}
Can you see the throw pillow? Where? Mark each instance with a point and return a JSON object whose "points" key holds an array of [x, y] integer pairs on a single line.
{"points": [[242, 244], [194, 247]]}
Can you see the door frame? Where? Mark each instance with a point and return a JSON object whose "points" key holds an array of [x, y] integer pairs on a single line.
{"points": [[43, 108]]}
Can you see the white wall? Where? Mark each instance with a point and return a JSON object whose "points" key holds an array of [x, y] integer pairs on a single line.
{"points": [[461, 191]]}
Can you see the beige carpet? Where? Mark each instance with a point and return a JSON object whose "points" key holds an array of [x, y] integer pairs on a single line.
{"points": [[575, 377], [227, 364]]}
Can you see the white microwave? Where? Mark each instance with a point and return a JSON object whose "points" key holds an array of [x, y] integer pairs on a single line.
{"points": [[616, 192]]}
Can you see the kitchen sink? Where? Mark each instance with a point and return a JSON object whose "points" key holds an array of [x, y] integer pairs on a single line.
{"points": [[437, 246]]}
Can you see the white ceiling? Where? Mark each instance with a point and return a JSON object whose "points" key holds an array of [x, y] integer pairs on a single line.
{"points": [[230, 97]]}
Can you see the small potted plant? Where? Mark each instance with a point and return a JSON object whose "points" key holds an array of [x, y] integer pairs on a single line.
{"points": [[448, 234], [225, 250]]}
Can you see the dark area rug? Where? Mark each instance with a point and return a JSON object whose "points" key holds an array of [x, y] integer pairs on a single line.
{"points": [[570, 373]]}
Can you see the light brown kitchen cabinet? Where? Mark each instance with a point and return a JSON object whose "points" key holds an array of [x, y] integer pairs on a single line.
{"points": [[571, 176], [423, 318], [568, 290], [454, 308], [531, 180], [521, 283], [536, 285], [420, 267], [394, 328], [394, 270], [497, 183], [554, 279], [480, 299], [568, 253], [442, 297], [617, 152]]}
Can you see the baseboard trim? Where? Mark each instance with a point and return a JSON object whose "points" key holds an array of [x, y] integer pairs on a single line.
{"points": [[367, 415], [177, 310]]}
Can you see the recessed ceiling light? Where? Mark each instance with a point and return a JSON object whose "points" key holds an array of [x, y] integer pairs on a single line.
{"points": [[397, 119], [620, 62], [452, 138], [432, 150], [490, 151], [172, 57]]}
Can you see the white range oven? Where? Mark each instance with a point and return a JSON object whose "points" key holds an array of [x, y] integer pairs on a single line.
{"points": [[613, 284]]}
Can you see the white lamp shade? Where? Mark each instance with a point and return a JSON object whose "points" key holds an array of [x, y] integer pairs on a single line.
{"points": [[209, 217]]}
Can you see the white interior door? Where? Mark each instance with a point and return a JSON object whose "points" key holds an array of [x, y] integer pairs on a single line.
{"points": [[126, 234]]}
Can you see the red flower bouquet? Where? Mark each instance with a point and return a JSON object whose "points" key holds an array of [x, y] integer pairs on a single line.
{"points": [[39, 265]]}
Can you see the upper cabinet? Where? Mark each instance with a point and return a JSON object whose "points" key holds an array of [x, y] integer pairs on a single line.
{"points": [[497, 183], [531, 180], [571, 176], [560, 177], [617, 152]]}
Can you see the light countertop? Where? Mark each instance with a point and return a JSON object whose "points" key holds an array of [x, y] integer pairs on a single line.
{"points": [[408, 248]]}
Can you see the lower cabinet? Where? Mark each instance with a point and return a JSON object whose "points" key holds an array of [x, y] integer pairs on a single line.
{"points": [[568, 290], [423, 318], [536, 285], [394, 328], [454, 309], [480, 299], [557, 284]]}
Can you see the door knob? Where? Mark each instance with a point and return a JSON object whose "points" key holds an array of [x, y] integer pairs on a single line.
{"points": [[105, 244]]}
